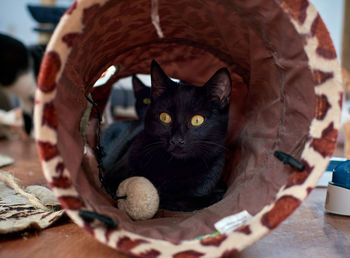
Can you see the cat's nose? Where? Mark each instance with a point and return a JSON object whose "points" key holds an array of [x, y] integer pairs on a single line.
{"points": [[177, 141]]}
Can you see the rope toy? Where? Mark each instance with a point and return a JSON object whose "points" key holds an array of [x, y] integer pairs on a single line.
{"points": [[11, 181]]}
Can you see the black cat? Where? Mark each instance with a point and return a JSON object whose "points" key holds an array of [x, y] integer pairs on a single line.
{"points": [[142, 96], [117, 137], [181, 148], [19, 68]]}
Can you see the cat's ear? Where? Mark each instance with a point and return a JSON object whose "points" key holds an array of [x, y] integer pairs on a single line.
{"points": [[160, 80], [138, 86], [219, 87]]}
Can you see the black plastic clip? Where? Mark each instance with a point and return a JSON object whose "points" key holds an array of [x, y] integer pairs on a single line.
{"points": [[289, 160], [89, 216]]}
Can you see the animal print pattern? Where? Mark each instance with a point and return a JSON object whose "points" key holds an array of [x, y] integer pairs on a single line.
{"points": [[316, 153]]}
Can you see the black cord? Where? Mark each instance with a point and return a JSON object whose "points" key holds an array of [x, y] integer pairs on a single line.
{"points": [[100, 153]]}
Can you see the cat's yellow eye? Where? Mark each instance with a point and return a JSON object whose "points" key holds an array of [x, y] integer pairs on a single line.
{"points": [[165, 118], [197, 120], [146, 101]]}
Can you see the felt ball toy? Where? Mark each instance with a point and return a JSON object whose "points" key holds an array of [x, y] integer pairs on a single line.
{"points": [[141, 200]]}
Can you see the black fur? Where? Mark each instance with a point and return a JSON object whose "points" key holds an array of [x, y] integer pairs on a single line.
{"points": [[142, 96]]}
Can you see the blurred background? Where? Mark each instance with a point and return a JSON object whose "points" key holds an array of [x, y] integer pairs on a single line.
{"points": [[16, 20]]}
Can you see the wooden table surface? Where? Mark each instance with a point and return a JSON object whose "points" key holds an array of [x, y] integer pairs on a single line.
{"points": [[309, 232]]}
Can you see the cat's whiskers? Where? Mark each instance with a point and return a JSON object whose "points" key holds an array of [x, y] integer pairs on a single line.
{"points": [[204, 148], [170, 158], [149, 149], [151, 146], [212, 143], [205, 153]]}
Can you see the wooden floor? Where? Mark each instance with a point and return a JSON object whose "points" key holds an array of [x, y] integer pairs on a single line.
{"points": [[309, 232]]}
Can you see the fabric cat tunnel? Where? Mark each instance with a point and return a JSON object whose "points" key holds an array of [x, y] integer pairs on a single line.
{"points": [[286, 97]]}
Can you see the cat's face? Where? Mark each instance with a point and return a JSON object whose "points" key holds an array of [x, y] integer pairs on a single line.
{"points": [[188, 121]]}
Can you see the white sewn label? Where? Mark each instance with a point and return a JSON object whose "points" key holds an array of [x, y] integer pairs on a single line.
{"points": [[230, 223]]}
